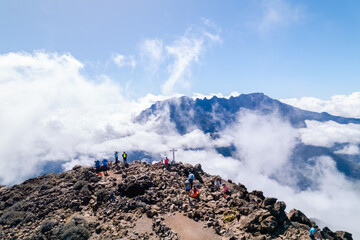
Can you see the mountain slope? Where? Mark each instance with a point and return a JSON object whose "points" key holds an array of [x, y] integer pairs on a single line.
{"points": [[143, 201]]}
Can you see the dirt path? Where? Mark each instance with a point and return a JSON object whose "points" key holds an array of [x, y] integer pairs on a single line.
{"points": [[188, 229]]}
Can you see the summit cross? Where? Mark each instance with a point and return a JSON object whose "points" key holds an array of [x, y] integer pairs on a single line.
{"points": [[173, 150]]}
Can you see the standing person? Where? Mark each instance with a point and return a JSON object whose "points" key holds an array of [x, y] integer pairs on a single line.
{"points": [[104, 163], [97, 166], [116, 157], [124, 157], [166, 161], [191, 179]]}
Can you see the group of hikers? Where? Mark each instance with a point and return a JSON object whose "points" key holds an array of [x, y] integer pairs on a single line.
{"points": [[191, 189], [104, 165], [124, 155]]}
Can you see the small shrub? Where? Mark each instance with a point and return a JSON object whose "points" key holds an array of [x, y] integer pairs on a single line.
{"points": [[46, 226], [80, 184], [44, 187], [11, 218], [95, 179], [62, 175], [29, 217], [76, 229], [16, 207], [76, 233], [68, 177], [101, 195]]}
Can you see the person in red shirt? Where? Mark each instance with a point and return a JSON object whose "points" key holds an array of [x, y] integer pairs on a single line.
{"points": [[226, 191], [166, 161], [196, 193]]}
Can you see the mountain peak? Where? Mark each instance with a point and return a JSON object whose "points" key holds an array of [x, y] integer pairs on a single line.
{"points": [[213, 115], [143, 201]]}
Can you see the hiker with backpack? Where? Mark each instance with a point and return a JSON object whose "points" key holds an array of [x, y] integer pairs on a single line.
{"points": [[191, 179]]}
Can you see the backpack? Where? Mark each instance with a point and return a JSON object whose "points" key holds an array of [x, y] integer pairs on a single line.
{"points": [[97, 163]]}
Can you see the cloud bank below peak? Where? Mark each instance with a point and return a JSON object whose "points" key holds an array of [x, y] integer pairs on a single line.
{"points": [[339, 105]]}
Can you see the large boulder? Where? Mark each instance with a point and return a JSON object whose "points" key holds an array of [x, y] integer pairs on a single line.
{"points": [[344, 235], [297, 216], [269, 201]]}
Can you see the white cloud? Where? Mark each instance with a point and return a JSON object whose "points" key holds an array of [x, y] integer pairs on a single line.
{"points": [[178, 56], [350, 149], [152, 54], [123, 61], [153, 49], [254, 136], [185, 51], [277, 14], [51, 112], [213, 37], [326, 134], [341, 105]]}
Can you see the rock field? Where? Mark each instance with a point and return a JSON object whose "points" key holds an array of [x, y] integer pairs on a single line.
{"points": [[144, 201]]}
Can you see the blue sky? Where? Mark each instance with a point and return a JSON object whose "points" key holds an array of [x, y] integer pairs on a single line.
{"points": [[282, 48]]}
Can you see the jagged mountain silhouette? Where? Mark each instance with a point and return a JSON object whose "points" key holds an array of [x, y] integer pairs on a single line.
{"points": [[213, 115]]}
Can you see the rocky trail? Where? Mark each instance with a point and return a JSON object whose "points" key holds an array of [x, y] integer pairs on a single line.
{"points": [[144, 201]]}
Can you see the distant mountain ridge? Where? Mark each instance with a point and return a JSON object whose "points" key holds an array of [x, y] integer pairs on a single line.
{"points": [[214, 114]]}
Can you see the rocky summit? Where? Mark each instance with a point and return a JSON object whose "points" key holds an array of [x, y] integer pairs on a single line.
{"points": [[144, 201]]}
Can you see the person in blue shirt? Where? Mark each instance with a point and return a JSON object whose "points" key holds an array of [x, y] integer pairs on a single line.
{"points": [[116, 157], [217, 183], [314, 233], [105, 166], [97, 165], [187, 187], [191, 179], [104, 163]]}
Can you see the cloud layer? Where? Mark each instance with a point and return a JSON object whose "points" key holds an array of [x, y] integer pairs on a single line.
{"points": [[340, 105], [52, 112]]}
